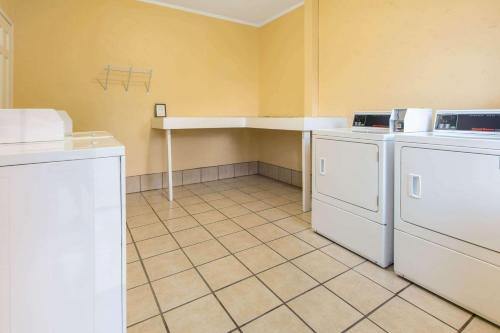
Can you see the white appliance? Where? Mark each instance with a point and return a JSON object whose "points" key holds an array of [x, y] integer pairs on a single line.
{"points": [[62, 235], [353, 181], [447, 209]]}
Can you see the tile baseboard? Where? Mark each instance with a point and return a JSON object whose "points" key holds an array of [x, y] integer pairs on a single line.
{"points": [[156, 181], [284, 175], [159, 180]]}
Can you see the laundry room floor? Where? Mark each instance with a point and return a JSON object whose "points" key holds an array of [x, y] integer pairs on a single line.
{"points": [[238, 255]]}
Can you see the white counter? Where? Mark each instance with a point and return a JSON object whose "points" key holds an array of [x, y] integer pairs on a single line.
{"points": [[273, 123], [303, 124]]}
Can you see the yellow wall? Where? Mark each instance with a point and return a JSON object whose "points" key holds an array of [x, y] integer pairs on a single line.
{"points": [[282, 87], [202, 66], [6, 7], [282, 148], [376, 55], [210, 147], [282, 66], [371, 55], [311, 57]]}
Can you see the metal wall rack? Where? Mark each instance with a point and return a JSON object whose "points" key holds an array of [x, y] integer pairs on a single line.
{"points": [[126, 76]]}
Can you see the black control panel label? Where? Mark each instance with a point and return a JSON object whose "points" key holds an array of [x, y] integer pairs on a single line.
{"points": [[371, 120], [480, 122]]}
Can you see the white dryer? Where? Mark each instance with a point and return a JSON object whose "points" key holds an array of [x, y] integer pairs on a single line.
{"points": [[353, 181], [447, 209]]}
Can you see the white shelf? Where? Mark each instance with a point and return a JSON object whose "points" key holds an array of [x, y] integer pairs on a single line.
{"points": [[303, 124], [273, 123]]}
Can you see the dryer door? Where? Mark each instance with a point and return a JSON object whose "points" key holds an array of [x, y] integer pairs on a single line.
{"points": [[348, 171], [453, 193]]}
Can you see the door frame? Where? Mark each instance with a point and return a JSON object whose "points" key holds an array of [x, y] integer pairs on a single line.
{"points": [[10, 68]]}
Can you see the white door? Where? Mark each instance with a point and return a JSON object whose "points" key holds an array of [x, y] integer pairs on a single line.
{"points": [[348, 171], [6, 62], [454, 193]]}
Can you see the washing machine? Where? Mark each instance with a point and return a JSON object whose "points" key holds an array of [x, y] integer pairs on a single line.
{"points": [[62, 227], [353, 180], [447, 209]]}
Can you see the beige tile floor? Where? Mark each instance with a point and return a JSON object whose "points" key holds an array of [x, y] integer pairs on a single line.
{"points": [[238, 255]]}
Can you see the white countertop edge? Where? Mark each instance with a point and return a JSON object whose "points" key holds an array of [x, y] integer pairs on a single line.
{"points": [[273, 123]]}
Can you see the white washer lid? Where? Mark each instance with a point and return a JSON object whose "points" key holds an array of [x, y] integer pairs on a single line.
{"points": [[68, 149], [32, 125]]}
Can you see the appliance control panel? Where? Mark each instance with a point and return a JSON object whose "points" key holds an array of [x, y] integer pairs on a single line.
{"points": [[487, 121], [397, 120], [411, 120], [372, 119]]}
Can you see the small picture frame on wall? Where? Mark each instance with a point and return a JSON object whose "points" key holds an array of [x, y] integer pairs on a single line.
{"points": [[160, 110]]}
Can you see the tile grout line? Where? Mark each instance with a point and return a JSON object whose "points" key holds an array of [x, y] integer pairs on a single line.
{"points": [[232, 254], [425, 311], [261, 242], [149, 284], [272, 267], [254, 275], [290, 261], [201, 242], [374, 323], [366, 316], [199, 274], [467, 323], [394, 294], [258, 278], [319, 284]]}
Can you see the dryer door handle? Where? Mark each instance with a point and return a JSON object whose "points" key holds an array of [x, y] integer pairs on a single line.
{"points": [[322, 166], [415, 186]]}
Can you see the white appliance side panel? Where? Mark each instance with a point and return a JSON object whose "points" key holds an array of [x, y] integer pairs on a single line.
{"points": [[454, 193], [367, 238], [4, 256], [108, 246], [348, 171], [51, 240], [386, 200], [466, 281]]}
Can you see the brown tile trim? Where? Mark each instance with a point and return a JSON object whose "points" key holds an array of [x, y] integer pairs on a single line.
{"points": [[276, 172], [151, 181]]}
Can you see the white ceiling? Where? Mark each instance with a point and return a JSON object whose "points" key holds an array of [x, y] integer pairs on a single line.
{"points": [[251, 12]]}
